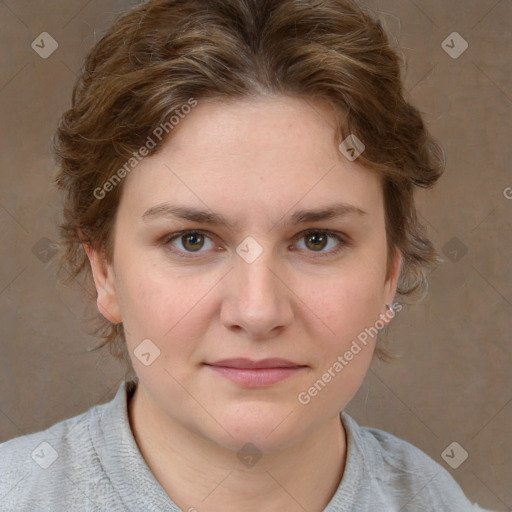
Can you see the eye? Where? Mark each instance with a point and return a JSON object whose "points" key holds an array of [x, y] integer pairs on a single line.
{"points": [[190, 241], [318, 240]]}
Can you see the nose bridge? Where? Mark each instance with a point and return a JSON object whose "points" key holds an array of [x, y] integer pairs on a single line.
{"points": [[257, 282], [258, 301]]}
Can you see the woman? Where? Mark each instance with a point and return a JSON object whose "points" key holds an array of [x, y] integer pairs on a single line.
{"points": [[239, 180]]}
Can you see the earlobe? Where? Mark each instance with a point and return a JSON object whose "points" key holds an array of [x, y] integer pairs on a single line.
{"points": [[103, 275]]}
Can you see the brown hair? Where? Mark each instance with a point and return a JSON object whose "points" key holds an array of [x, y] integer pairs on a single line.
{"points": [[159, 55]]}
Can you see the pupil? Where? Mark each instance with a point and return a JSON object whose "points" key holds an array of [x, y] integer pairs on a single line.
{"points": [[317, 241], [193, 241]]}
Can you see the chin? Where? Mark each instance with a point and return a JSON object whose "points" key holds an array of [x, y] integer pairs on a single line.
{"points": [[268, 426]]}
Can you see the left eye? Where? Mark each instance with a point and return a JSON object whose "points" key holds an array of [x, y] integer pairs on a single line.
{"points": [[317, 241]]}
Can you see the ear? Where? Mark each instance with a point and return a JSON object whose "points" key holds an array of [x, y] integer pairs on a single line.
{"points": [[103, 275], [391, 284]]}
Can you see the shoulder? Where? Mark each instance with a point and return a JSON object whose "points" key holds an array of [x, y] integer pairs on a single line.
{"points": [[53, 468], [404, 475]]}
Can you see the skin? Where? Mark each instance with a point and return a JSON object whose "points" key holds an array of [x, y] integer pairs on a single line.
{"points": [[255, 161]]}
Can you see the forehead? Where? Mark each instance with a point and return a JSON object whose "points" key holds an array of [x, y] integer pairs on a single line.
{"points": [[255, 131], [265, 152]]}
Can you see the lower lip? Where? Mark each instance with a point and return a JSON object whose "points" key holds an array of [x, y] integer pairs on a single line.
{"points": [[256, 377]]}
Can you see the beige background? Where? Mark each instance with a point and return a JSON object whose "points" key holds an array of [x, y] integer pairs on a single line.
{"points": [[452, 382]]}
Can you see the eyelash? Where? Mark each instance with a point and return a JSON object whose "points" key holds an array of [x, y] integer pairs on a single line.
{"points": [[342, 239]]}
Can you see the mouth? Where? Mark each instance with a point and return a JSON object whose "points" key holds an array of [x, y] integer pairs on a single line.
{"points": [[251, 373]]}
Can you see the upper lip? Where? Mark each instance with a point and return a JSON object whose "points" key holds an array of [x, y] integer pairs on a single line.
{"points": [[241, 362]]}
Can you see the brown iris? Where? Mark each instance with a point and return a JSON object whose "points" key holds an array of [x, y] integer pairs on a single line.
{"points": [[316, 241], [192, 241]]}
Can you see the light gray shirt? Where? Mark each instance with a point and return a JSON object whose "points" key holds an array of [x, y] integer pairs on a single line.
{"points": [[92, 463]]}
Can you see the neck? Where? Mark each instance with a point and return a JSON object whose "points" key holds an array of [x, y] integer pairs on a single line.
{"points": [[199, 475]]}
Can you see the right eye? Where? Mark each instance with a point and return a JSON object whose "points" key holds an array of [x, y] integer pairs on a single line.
{"points": [[191, 241]]}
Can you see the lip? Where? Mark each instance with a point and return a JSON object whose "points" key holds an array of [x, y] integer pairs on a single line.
{"points": [[249, 364], [250, 373]]}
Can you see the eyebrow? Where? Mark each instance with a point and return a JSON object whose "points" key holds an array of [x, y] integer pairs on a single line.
{"points": [[166, 210]]}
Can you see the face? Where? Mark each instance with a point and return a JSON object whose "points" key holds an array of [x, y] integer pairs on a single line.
{"points": [[249, 236]]}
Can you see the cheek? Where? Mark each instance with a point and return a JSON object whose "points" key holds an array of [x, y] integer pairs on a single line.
{"points": [[357, 307], [161, 304], [157, 309], [347, 301], [349, 307]]}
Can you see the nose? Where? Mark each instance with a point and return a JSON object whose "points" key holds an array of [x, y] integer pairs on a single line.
{"points": [[257, 301]]}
